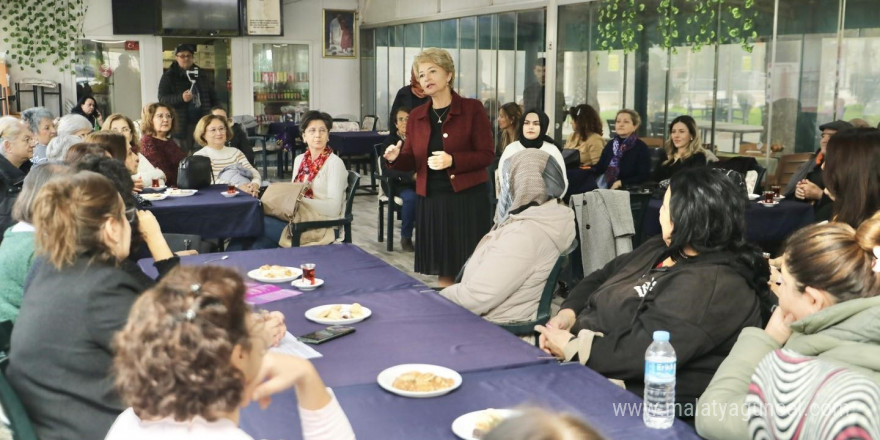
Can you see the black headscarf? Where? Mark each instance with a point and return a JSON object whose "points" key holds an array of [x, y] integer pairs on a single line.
{"points": [[539, 141]]}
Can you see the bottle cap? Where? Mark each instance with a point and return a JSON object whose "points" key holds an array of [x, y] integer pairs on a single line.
{"points": [[661, 335]]}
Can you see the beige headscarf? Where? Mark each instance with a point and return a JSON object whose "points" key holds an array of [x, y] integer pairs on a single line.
{"points": [[533, 177]]}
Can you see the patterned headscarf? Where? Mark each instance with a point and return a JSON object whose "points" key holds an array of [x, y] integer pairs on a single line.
{"points": [[310, 167], [533, 178]]}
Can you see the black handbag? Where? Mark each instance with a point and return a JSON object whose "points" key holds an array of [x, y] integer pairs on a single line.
{"points": [[194, 172], [571, 158]]}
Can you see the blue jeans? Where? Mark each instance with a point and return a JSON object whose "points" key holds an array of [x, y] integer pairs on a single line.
{"points": [[272, 229], [408, 211]]}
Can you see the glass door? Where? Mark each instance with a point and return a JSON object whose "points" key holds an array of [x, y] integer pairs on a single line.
{"points": [[110, 71], [281, 81]]}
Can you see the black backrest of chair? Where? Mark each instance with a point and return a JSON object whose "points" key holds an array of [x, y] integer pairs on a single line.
{"points": [[658, 156], [353, 178], [379, 150]]}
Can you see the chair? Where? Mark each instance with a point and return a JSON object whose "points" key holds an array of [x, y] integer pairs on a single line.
{"points": [[386, 191], [259, 140], [527, 328], [19, 422], [187, 242], [789, 164], [611, 123], [297, 229], [369, 123]]}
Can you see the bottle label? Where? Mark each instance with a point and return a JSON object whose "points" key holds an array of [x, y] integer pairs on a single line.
{"points": [[659, 371]]}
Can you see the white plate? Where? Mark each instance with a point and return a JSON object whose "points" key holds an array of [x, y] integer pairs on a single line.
{"points": [[228, 194], [312, 315], [154, 188], [463, 425], [303, 285], [754, 196], [767, 205], [387, 376], [258, 275], [154, 197], [778, 198], [181, 192]]}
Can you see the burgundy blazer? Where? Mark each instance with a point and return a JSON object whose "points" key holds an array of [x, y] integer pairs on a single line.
{"points": [[467, 137]]}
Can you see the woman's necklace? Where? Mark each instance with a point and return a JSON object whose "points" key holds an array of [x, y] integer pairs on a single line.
{"points": [[440, 116]]}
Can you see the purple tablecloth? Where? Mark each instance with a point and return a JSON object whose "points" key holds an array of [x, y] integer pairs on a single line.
{"points": [[376, 414], [210, 215], [406, 326], [763, 224], [351, 143], [345, 268]]}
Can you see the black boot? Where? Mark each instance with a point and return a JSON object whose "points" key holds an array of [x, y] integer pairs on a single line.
{"points": [[406, 244]]}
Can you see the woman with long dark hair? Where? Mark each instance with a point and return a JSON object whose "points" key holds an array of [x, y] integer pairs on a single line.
{"points": [[587, 135], [852, 176], [87, 106], [700, 281], [684, 149]]}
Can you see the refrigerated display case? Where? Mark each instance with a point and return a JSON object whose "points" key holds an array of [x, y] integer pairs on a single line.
{"points": [[281, 82]]}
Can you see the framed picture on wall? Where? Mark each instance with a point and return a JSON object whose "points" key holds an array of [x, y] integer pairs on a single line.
{"points": [[340, 33]]}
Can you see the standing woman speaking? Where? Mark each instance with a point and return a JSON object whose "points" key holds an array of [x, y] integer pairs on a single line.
{"points": [[449, 145]]}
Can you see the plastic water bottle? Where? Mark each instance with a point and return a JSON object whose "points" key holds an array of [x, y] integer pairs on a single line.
{"points": [[659, 409]]}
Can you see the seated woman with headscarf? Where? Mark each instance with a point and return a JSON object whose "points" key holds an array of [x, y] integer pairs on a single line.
{"points": [[700, 280], [504, 278], [532, 134]]}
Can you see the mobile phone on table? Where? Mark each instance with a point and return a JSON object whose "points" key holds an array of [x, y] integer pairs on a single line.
{"points": [[324, 335]]}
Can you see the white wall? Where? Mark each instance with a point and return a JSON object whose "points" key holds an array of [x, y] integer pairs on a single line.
{"points": [[335, 83]]}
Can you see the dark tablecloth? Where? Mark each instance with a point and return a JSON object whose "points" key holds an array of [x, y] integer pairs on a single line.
{"points": [[210, 215], [351, 143], [377, 414], [763, 224], [345, 268]]}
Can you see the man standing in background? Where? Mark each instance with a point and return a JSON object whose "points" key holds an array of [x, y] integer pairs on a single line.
{"points": [[185, 88]]}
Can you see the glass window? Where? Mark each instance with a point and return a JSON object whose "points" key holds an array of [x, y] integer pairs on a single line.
{"points": [[398, 74], [281, 81], [368, 69], [383, 95], [112, 75], [859, 90], [467, 64]]}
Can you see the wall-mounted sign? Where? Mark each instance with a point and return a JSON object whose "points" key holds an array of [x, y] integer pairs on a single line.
{"points": [[263, 17]]}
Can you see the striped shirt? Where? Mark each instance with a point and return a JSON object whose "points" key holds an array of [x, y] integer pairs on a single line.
{"points": [[225, 157]]}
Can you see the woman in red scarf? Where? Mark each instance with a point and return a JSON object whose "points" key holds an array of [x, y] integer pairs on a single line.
{"points": [[325, 199]]}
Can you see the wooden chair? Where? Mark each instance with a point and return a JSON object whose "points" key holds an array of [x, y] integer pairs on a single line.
{"points": [[297, 229], [653, 141], [789, 164]]}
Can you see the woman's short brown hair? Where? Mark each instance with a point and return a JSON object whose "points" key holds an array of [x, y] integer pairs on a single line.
{"points": [[836, 258], [79, 151], [69, 215], [439, 57], [634, 115], [202, 127], [135, 141], [173, 358], [147, 118], [111, 141]]}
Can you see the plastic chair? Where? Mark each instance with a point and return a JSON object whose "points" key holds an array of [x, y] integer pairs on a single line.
{"points": [[369, 123], [19, 422], [297, 229], [527, 328], [386, 198], [259, 140], [187, 242]]}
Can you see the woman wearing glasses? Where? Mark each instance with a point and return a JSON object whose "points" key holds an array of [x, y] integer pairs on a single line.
{"points": [[157, 124], [123, 125], [325, 197], [63, 352], [229, 165]]}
